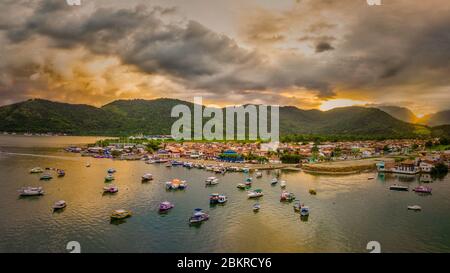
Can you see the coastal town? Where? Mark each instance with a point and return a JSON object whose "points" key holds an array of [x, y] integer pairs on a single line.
{"points": [[406, 156]]}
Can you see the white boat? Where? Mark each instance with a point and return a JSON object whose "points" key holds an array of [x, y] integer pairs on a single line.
{"points": [[283, 184], [120, 214], [256, 207], [255, 194], [398, 188], [274, 181], [31, 191], [110, 189], [111, 170], [176, 184], [109, 178], [59, 205], [222, 199], [37, 170], [88, 165], [259, 174], [212, 181], [147, 177], [415, 207]]}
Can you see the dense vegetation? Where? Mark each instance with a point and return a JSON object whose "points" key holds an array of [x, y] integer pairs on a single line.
{"points": [[152, 117]]}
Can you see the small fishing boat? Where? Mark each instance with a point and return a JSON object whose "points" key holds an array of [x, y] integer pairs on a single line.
{"points": [[120, 214], [241, 186], [147, 177], [256, 207], [211, 181], [249, 179], [176, 184], [312, 191], [198, 216], [31, 191], [59, 205], [274, 181], [255, 193], [222, 199], [259, 174], [396, 187], [46, 176], [111, 170], [415, 208], [165, 206], [110, 189], [287, 196], [37, 170], [61, 173], [88, 165], [422, 189], [283, 184], [109, 178], [304, 211], [297, 206], [245, 170]]}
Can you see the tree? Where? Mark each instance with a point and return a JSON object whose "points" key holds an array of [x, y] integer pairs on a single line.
{"points": [[439, 169], [444, 141]]}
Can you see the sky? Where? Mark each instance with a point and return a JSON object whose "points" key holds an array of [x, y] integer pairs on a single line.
{"points": [[313, 54]]}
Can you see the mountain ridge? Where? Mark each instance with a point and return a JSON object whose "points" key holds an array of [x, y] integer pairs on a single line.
{"points": [[126, 117]]}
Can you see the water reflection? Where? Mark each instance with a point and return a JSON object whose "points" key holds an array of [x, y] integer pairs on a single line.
{"points": [[347, 212]]}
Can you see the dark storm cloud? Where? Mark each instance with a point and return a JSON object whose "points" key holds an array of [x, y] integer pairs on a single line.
{"points": [[370, 48]]}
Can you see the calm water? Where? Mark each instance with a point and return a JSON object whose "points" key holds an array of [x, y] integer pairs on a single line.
{"points": [[347, 212]]}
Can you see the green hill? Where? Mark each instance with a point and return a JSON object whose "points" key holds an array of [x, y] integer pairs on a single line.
{"points": [[127, 117], [437, 119]]}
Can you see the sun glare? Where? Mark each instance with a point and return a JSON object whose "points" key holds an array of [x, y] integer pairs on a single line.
{"points": [[330, 104]]}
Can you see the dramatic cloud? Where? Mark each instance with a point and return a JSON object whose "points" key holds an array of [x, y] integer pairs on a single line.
{"points": [[301, 53]]}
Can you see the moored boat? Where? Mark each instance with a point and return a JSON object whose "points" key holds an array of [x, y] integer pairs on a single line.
{"points": [[396, 187], [283, 184], [37, 170], [46, 176], [304, 211], [422, 189], [60, 172], [274, 181], [147, 177], [198, 216], [312, 191], [259, 174], [241, 186], [59, 205], [415, 208], [165, 206], [297, 206], [287, 196], [31, 191], [176, 184], [110, 189], [111, 170], [256, 207], [212, 181], [255, 193], [120, 214], [222, 199], [109, 178]]}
